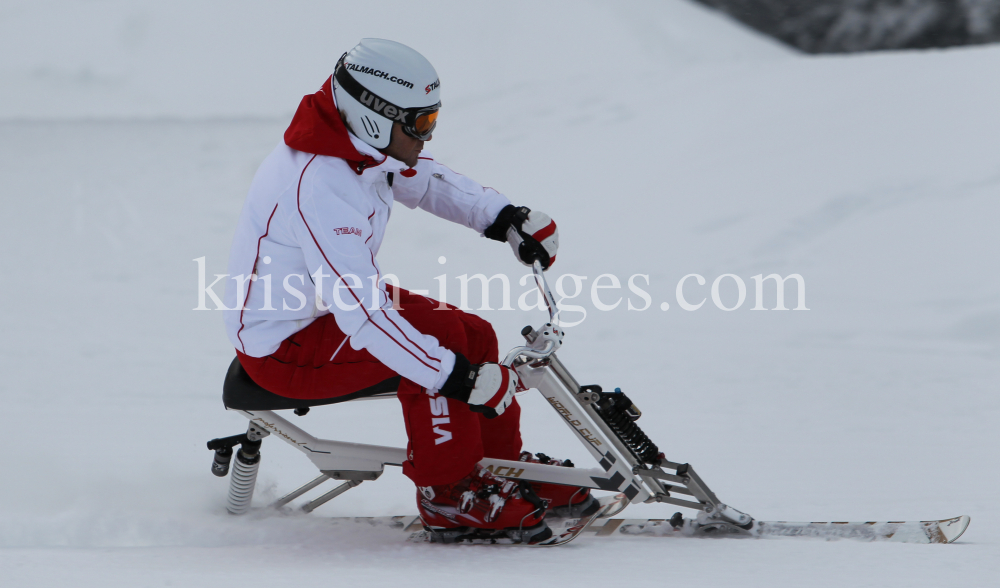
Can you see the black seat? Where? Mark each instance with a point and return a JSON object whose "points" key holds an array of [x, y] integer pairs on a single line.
{"points": [[239, 392]]}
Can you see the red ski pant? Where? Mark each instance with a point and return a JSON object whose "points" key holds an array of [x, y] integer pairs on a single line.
{"points": [[446, 439]]}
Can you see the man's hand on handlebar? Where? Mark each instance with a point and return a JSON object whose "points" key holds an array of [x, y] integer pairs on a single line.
{"points": [[531, 234]]}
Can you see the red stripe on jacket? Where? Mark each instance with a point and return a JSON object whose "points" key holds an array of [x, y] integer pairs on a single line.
{"points": [[298, 202], [267, 230]]}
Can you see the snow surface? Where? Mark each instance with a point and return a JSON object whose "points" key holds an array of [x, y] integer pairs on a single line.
{"points": [[663, 139]]}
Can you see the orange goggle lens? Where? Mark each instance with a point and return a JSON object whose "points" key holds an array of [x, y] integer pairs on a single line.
{"points": [[425, 122]]}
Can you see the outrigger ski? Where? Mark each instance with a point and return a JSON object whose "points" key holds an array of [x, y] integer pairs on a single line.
{"points": [[629, 464], [944, 531]]}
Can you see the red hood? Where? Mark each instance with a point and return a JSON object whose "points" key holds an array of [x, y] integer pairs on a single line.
{"points": [[317, 128]]}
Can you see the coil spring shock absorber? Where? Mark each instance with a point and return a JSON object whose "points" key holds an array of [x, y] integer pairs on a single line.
{"points": [[244, 478], [620, 414]]}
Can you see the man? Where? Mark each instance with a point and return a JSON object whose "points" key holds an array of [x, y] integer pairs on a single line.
{"points": [[317, 210]]}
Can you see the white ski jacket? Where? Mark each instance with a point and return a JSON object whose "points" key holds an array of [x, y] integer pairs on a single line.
{"points": [[307, 239]]}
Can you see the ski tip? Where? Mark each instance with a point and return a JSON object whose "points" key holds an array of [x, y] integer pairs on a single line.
{"points": [[952, 529], [612, 505]]}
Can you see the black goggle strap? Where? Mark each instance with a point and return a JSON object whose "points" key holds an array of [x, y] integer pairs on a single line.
{"points": [[405, 116]]}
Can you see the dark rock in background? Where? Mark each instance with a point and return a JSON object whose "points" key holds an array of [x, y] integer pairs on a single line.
{"points": [[843, 26]]}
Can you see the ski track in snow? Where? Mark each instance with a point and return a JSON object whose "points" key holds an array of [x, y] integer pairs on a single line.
{"points": [[666, 144]]}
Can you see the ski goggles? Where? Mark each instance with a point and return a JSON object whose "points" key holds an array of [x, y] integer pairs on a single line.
{"points": [[417, 122]]}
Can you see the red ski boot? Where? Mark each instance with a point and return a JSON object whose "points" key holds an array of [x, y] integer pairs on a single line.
{"points": [[482, 507], [562, 501]]}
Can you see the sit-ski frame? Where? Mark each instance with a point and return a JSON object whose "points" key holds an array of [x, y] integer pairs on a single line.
{"points": [[538, 367]]}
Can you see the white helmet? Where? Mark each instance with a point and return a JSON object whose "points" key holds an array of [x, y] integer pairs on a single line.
{"points": [[380, 82]]}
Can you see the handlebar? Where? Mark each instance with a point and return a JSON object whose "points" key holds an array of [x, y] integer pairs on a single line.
{"points": [[550, 334], [543, 286]]}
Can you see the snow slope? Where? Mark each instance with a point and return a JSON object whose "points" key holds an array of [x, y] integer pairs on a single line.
{"points": [[183, 59], [664, 142]]}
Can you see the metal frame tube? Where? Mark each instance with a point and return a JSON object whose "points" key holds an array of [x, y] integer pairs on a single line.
{"points": [[311, 506], [299, 491], [559, 388]]}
